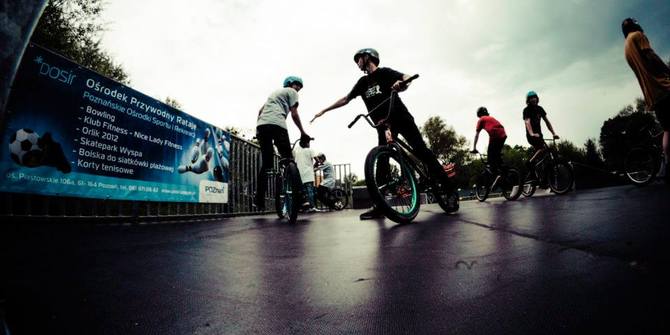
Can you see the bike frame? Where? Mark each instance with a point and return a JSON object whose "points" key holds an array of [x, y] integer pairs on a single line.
{"points": [[400, 146]]}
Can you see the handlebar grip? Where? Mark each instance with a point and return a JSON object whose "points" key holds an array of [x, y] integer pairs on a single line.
{"points": [[355, 120], [410, 79]]}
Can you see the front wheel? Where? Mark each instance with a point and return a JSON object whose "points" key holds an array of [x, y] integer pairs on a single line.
{"points": [[482, 187], [641, 166], [561, 177], [391, 184], [287, 198], [528, 188], [511, 184]]}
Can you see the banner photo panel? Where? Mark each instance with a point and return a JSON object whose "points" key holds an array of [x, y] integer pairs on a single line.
{"points": [[72, 132]]}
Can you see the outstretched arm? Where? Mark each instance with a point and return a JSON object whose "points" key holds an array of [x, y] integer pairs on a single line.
{"points": [[339, 103]]}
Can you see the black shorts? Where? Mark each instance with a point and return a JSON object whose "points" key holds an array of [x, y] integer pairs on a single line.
{"points": [[662, 109], [536, 142]]}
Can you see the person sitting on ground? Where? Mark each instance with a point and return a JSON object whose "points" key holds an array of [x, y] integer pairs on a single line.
{"points": [[324, 191], [304, 159]]}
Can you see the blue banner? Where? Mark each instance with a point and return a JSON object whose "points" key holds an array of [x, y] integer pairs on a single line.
{"points": [[72, 132]]}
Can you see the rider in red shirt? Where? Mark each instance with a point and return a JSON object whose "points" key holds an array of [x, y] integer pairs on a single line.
{"points": [[497, 137]]}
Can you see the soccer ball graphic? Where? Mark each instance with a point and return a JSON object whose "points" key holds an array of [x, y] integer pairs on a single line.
{"points": [[24, 148]]}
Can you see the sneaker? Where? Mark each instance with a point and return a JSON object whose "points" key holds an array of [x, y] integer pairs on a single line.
{"points": [[373, 213]]}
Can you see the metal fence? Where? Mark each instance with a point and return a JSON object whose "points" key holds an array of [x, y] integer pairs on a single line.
{"points": [[244, 165]]}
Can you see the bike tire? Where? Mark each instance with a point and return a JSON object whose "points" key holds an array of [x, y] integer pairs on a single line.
{"points": [[528, 189], [482, 187], [641, 166], [561, 177], [444, 199], [341, 196], [287, 197], [511, 184], [397, 198]]}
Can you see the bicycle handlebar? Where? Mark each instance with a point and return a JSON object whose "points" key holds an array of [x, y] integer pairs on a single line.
{"points": [[367, 116]]}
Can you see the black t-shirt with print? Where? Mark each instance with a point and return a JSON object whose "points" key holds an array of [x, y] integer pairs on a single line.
{"points": [[375, 88], [535, 114]]}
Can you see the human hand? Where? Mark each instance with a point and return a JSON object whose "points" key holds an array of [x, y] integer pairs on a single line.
{"points": [[316, 116]]}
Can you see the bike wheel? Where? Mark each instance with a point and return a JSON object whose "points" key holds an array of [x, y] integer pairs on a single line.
{"points": [[641, 166], [392, 187], [287, 198], [449, 202], [528, 188], [482, 187], [510, 184], [560, 177], [341, 199]]}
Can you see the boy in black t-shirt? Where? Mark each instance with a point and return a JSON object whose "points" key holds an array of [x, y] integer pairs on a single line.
{"points": [[532, 115], [375, 89]]}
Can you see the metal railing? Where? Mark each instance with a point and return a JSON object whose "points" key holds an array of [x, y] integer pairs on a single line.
{"points": [[244, 165]]}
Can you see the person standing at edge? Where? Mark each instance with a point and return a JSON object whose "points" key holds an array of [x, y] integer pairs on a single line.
{"points": [[375, 88], [653, 75], [532, 115], [497, 137], [271, 128]]}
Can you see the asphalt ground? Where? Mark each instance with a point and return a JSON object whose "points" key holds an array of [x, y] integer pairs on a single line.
{"points": [[588, 261]]}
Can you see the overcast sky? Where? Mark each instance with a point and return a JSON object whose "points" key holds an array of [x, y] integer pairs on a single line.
{"points": [[222, 58]]}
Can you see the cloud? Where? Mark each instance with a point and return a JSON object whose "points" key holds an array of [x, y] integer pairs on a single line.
{"points": [[221, 59]]}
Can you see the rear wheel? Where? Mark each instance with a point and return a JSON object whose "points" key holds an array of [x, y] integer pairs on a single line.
{"points": [[340, 199], [391, 184], [482, 186], [448, 201], [287, 198], [641, 166], [511, 184], [560, 177]]}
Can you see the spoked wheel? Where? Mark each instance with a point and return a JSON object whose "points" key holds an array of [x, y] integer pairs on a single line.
{"points": [[641, 166], [560, 177], [448, 201], [482, 187], [391, 184], [341, 199], [287, 198], [528, 187], [510, 184]]}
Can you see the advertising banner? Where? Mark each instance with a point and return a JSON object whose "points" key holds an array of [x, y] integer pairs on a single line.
{"points": [[72, 132]]}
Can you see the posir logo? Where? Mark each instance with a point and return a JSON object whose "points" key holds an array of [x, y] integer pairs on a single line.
{"points": [[213, 191], [54, 72]]}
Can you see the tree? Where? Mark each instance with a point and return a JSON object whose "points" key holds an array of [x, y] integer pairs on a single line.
{"points": [[72, 28], [570, 152], [592, 154], [620, 133], [444, 142], [448, 146]]}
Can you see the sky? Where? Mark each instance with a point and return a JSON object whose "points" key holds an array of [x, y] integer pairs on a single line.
{"points": [[221, 59]]}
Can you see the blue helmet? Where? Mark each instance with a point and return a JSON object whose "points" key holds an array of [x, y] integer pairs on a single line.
{"points": [[292, 80], [531, 94]]}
